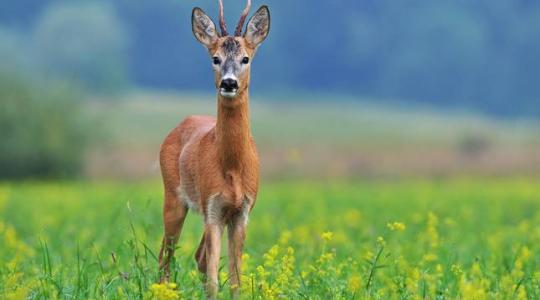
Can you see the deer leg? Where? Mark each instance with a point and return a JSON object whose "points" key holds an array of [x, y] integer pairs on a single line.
{"points": [[236, 236], [213, 250], [174, 214], [200, 255]]}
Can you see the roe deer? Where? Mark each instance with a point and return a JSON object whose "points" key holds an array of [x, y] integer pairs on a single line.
{"points": [[210, 165]]}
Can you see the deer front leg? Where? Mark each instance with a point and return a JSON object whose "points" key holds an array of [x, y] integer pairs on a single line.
{"points": [[174, 214], [237, 234], [213, 233]]}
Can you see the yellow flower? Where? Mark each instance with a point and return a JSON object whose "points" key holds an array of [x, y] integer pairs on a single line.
{"points": [[17, 294], [354, 283], [285, 237], [472, 290], [381, 241], [431, 232], [270, 256], [396, 226], [325, 257], [163, 291], [429, 257], [456, 269], [193, 275], [476, 270], [327, 236], [439, 269], [369, 255], [525, 253], [353, 218]]}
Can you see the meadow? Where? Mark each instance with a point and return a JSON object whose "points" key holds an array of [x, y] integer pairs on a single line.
{"points": [[453, 238], [301, 136]]}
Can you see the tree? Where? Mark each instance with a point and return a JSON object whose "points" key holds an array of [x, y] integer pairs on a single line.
{"points": [[42, 130]]}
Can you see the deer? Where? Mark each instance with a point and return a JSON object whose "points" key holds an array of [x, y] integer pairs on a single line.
{"points": [[211, 165]]}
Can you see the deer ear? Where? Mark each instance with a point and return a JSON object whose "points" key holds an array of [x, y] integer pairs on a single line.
{"points": [[258, 27], [203, 28]]}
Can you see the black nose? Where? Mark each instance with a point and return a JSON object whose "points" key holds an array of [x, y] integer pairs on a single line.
{"points": [[229, 84]]}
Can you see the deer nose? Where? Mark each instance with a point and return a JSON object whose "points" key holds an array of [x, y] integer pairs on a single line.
{"points": [[229, 84]]}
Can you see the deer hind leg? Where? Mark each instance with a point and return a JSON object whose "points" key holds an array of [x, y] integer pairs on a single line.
{"points": [[174, 214], [236, 235], [200, 255]]}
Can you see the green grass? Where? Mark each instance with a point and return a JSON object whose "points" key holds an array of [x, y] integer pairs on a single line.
{"points": [[468, 238]]}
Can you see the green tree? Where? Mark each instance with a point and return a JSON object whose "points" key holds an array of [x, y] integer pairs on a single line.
{"points": [[41, 130]]}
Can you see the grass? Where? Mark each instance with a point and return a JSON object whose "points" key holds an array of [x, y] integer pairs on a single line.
{"points": [[466, 238]]}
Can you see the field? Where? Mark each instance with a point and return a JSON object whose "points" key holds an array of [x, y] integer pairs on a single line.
{"points": [[465, 238], [302, 136]]}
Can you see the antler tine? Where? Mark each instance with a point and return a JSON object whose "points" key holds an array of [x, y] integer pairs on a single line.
{"points": [[240, 26], [222, 20]]}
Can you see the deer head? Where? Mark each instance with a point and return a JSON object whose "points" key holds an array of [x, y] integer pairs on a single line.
{"points": [[231, 56]]}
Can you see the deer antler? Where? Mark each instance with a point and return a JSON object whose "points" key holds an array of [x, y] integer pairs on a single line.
{"points": [[222, 20], [245, 12]]}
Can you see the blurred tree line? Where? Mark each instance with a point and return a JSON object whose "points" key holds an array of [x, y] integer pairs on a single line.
{"points": [[480, 54], [42, 129]]}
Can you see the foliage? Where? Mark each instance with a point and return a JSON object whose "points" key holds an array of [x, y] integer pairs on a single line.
{"points": [[413, 239], [42, 132]]}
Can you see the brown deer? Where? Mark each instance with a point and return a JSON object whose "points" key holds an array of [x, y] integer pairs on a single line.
{"points": [[210, 165]]}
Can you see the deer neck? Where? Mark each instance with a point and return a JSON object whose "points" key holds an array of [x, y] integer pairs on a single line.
{"points": [[233, 134]]}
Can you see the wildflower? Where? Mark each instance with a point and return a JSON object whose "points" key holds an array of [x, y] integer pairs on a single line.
{"points": [[354, 283], [120, 293], [270, 256], [521, 292], [275, 278], [353, 218], [285, 237], [381, 241], [369, 255], [261, 272], [439, 269], [429, 257], [223, 276], [432, 233], [476, 270], [396, 226], [413, 280], [325, 257], [163, 291], [472, 290], [525, 253], [456, 269], [327, 236], [18, 293], [14, 289], [193, 275]]}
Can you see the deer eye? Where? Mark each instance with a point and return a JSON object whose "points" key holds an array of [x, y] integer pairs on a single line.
{"points": [[245, 60], [216, 60]]}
